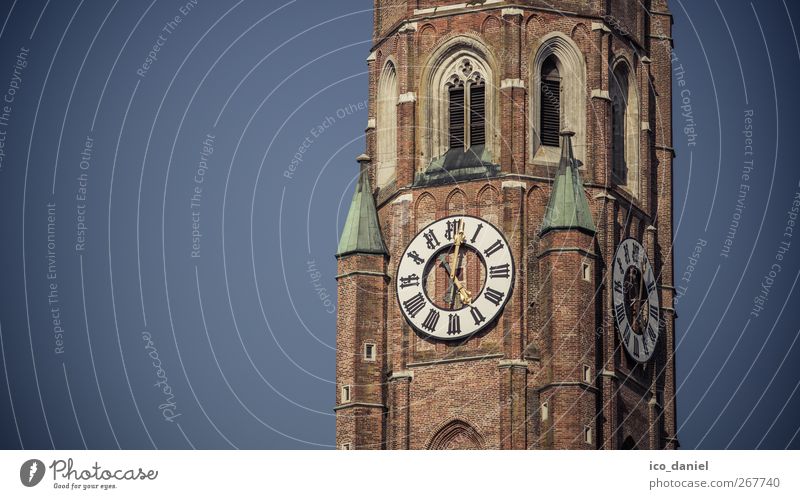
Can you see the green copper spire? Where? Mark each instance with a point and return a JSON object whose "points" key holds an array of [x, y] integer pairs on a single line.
{"points": [[568, 208], [361, 233]]}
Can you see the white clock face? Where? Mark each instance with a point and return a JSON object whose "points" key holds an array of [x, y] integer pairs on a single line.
{"points": [[636, 306], [455, 277]]}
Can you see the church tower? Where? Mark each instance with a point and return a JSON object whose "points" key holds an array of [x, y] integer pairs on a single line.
{"points": [[505, 270]]}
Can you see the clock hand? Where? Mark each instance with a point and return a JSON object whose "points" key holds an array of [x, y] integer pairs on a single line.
{"points": [[457, 239], [451, 289], [463, 293]]}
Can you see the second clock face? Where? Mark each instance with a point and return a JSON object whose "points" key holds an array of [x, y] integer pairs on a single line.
{"points": [[455, 277], [636, 307]]}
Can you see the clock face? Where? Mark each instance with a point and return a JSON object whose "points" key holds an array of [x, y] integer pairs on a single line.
{"points": [[455, 277], [636, 306]]}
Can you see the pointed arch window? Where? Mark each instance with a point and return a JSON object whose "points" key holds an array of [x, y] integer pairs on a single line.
{"points": [[550, 115], [625, 127], [466, 93], [386, 125], [558, 98]]}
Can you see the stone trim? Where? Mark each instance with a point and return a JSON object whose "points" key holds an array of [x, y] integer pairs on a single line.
{"points": [[608, 374], [512, 363], [444, 8], [455, 359], [401, 375], [404, 197], [512, 83], [646, 126], [372, 56], [362, 272], [511, 184], [511, 12], [601, 94], [370, 124], [600, 27], [579, 384], [408, 27], [359, 404], [407, 97], [564, 250], [605, 195]]}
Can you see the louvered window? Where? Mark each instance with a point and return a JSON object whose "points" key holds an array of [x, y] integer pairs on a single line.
{"points": [[550, 99], [456, 116], [477, 115], [550, 112]]}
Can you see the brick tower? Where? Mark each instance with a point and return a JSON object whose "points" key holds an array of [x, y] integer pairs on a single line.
{"points": [[505, 270]]}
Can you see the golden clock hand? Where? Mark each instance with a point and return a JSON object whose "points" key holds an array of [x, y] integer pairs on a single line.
{"points": [[463, 293], [457, 239]]}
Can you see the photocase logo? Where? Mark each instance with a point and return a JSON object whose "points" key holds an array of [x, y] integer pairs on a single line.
{"points": [[31, 472]]}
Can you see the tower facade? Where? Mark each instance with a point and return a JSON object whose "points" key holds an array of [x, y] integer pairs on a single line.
{"points": [[505, 271]]}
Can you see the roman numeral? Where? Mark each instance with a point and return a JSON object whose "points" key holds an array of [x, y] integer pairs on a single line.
{"points": [[475, 236], [635, 346], [621, 268], [652, 334], [494, 248], [626, 336], [636, 253], [618, 286], [454, 324], [627, 255], [651, 286], [644, 346], [412, 280], [415, 256], [620, 309], [498, 271], [494, 296], [452, 229], [431, 320], [414, 304], [653, 311], [430, 239], [477, 316]]}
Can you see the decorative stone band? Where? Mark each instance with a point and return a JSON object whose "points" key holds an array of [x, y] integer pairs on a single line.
{"points": [[363, 272], [600, 94], [359, 404], [458, 6], [600, 27]]}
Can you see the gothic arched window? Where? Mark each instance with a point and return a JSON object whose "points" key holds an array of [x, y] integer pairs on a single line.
{"points": [[386, 126], [558, 97], [625, 127], [550, 114], [459, 104], [466, 96]]}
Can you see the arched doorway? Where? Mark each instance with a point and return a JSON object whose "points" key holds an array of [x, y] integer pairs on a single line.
{"points": [[456, 435]]}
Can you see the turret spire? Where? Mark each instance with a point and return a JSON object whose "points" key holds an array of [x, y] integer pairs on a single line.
{"points": [[568, 208], [362, 233]]}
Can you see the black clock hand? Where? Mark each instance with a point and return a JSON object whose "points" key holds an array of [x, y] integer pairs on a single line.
{"points": [[450, 295]]}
